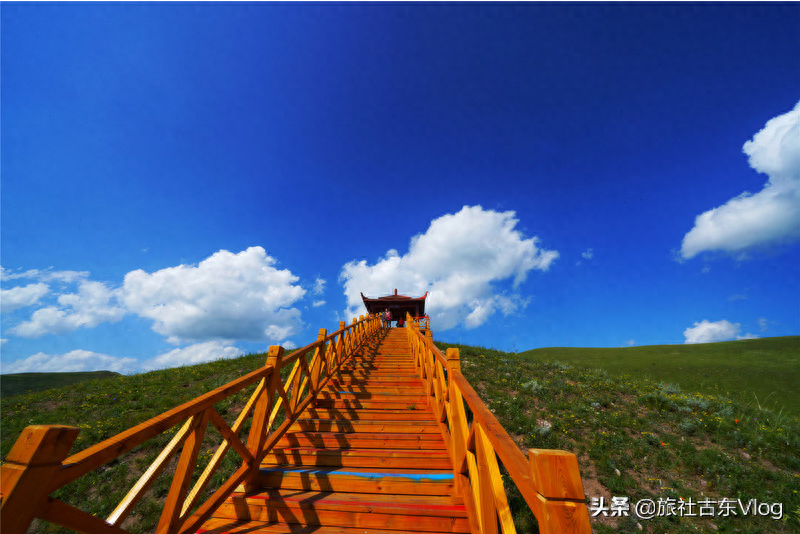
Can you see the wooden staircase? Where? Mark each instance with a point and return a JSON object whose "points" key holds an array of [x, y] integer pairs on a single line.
{"points": [[366, 457], [374, 431]]}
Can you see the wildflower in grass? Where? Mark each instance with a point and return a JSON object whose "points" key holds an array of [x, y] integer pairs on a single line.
{"points": [[736, 421]]}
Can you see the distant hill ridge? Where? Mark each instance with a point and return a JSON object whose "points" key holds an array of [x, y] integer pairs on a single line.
{"points": [[18, 383], [763, 370]]}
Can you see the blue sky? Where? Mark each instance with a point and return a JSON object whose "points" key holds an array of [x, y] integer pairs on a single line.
{"points": [[188, 181]]}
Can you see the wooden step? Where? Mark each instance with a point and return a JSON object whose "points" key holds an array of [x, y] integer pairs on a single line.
{"points": [[359, 480], [367, 440], [350, 457], [376, 403], [229, 526], [409, 513], [327, 425], [352, 414]]}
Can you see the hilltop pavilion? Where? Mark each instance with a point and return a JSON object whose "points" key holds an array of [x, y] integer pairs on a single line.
{"points": [[398, 305]]}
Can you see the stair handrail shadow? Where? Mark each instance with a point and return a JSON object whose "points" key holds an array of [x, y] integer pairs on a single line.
{"points": [[39, 462], [549, 480]]}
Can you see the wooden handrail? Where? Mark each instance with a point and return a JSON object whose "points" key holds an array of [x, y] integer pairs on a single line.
{"points": [[549, 480], [38, 465]]}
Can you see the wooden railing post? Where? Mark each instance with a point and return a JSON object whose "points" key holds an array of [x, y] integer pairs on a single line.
{"points": [[258, 427], [557, 478], [28, 470], [318, 360]]}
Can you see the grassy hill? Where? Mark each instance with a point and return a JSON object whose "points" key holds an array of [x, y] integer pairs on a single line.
{"points": [[17, 383], [634, 437], [766, 371]]}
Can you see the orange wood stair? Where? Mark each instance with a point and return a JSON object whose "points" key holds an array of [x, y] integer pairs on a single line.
{"points": [[366, 457]]}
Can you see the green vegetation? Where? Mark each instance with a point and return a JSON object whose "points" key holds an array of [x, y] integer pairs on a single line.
{"points": [[763, 371], [634, 437], [15, 384], [642, 439], [103, 408]]}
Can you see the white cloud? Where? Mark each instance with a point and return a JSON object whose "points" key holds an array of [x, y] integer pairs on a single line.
{"points": [[708, 332], [192, 355], [45, 275], [630, 343], [288, 345], [319, 286], [589, 254], [94, 303], [763, 323], [22, 296], [318, 303], [226, 296], [3, 341], [747, 336], [73, 361], [770, 216], [458, 260]]}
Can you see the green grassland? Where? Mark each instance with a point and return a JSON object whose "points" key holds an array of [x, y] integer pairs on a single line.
{"points": [[766, 371], [644, 438], [17, 383], [633, 436]]}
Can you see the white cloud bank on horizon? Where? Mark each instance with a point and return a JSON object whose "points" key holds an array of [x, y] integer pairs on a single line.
{"points": [[73, 361], [192, 355], [708, 332], [457, 260], [226, 296], [768, 217]]}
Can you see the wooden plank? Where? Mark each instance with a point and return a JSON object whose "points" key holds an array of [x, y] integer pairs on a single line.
{"points": [[125, 507], [173, 504], [65, 515], [364, 439], [358, 480], [226, 526], [378, 458], [391, 427], [367, 415]]}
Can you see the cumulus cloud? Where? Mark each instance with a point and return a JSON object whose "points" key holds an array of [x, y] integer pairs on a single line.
{"points": [[318, 303], [769, 216], [459, 260], [192, 355], [226, 296], [22, 296], [589, 254], [708, 332], [94, 303], [73, 361]]}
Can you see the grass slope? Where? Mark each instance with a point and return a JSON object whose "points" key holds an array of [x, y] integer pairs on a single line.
{"points": [[766, 371], [634, 437], [18, 383], [641, 438]]}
